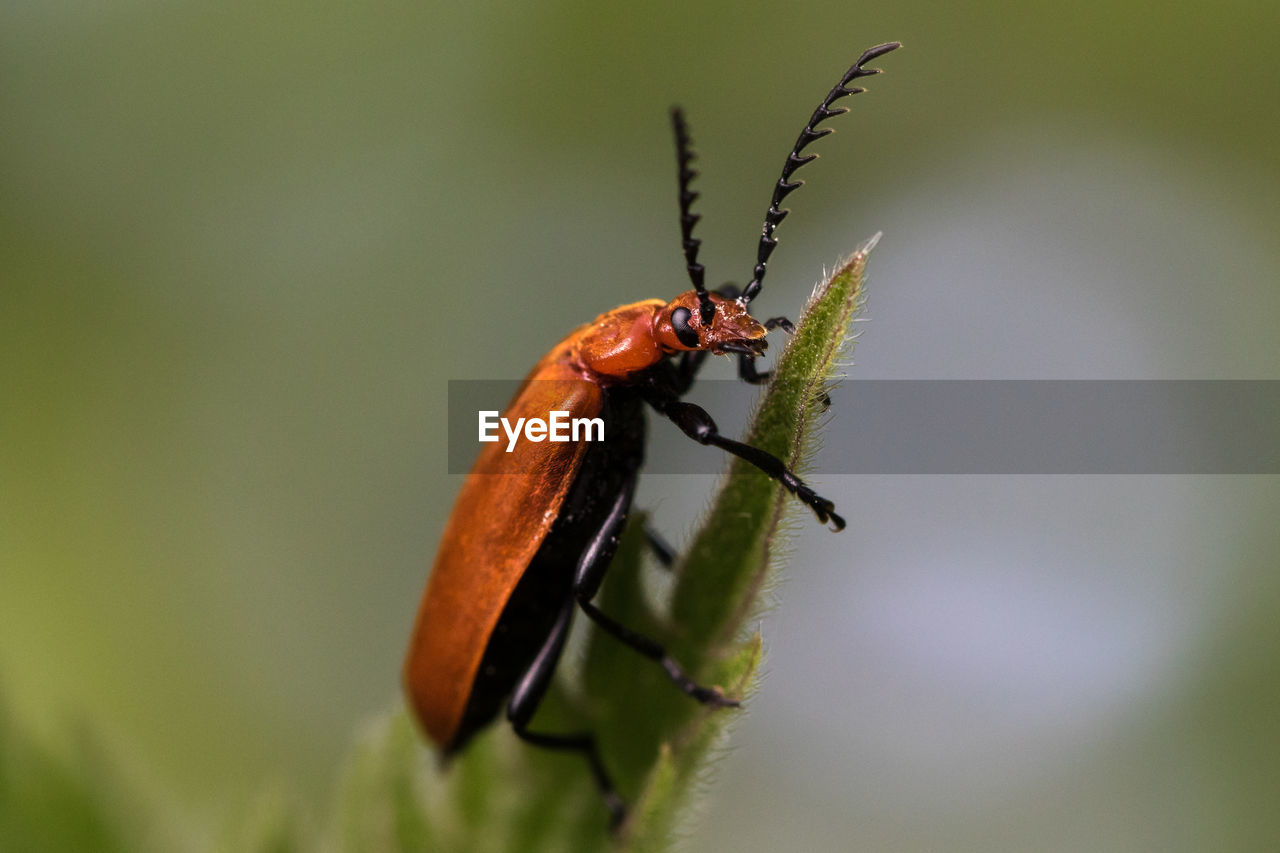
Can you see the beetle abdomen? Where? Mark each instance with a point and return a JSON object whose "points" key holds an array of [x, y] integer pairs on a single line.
{"points": [[496, 527], [607, 467]]}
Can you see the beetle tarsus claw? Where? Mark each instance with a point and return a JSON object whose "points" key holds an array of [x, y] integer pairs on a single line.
{"points": [[824, 509], [617, 810], [714, 697]]}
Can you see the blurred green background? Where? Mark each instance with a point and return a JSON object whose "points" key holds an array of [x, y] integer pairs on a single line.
{"points": [[243, 247]]}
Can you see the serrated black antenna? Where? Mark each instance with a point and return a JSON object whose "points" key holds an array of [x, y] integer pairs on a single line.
{"points": [[685, 156], [785, 185]]}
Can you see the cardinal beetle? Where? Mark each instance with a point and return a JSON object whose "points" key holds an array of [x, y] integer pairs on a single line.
{"points": [[521, 552]]}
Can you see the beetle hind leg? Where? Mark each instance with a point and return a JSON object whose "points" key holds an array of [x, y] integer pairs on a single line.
{"points": [[528, 694], [586, 744]]}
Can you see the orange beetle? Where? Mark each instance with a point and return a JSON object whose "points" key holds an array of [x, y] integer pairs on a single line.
{"points": [[522, 551]]}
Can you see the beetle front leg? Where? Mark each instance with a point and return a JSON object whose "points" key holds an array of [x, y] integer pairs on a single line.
{"points": [[747, 364], [694, 421], [691, 362], [747, 370], [687, 370]]}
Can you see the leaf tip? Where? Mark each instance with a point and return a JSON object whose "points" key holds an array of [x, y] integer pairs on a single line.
{"points": [[871, 242]]}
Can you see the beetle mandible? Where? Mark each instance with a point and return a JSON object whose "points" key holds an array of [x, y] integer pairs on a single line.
{"points": [[521, 552]]}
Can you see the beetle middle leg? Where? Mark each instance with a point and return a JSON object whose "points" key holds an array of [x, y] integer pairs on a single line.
{"points": [[586, 582], [654, 651], [660, 547], [533, 683], [696, 423]]}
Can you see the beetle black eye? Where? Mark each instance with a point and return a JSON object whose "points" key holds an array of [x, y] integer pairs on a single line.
{"points": [[680, 322]]}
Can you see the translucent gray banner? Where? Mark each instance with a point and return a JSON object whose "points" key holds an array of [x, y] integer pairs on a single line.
{"points": [[970, 427]]}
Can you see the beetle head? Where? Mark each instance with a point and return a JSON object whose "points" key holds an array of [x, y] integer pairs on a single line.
{"points": [[679, 326]]}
